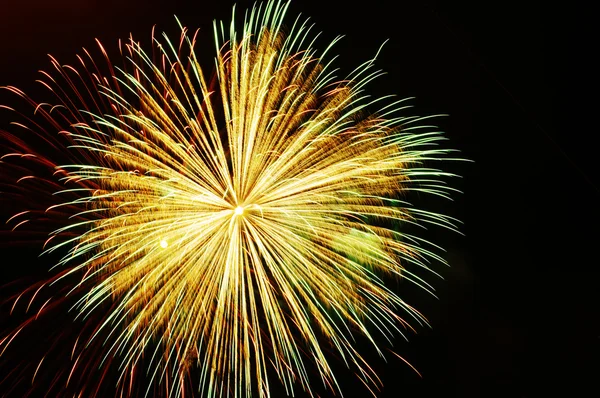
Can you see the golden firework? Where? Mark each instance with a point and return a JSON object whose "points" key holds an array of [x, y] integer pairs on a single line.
{"points": [[237, 226]]}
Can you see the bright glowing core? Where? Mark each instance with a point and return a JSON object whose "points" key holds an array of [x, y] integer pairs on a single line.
{"points": [[239, 211], [164, 244]]}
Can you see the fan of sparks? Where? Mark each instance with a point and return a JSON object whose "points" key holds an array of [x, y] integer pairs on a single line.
{"points": [[242, 226]]}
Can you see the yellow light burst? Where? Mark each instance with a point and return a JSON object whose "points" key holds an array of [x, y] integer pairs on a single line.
{"points": [[275, 195]]}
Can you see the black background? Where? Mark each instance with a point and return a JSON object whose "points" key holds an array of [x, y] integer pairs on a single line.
{"points": [[517, 314]]}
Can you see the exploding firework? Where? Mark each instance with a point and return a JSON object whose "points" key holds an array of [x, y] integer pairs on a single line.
{"points": [[222, 233]]}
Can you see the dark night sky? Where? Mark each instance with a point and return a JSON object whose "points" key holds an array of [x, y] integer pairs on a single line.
{"points": [[517, 313]]}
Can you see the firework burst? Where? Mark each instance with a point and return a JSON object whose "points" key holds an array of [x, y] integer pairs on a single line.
{"points": [[239, 228]]}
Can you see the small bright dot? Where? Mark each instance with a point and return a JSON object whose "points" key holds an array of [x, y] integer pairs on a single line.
{"points": [[239, 211], [164, 244]]}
